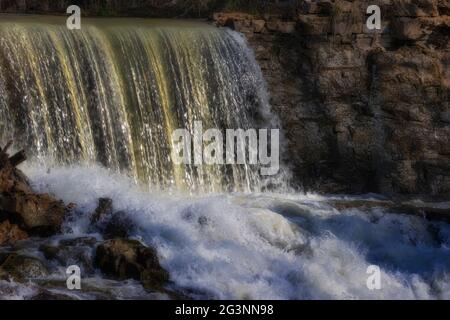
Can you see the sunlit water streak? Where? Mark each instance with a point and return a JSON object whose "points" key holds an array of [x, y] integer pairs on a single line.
{"points": [[114, 91]]}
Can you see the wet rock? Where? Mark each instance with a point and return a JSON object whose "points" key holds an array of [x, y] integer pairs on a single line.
{"points": [[21, 268], [130, 259], [111, 225], [68, 252], [10, 233], [38, 214], [104, 209], [41, 214], [119, 226]]}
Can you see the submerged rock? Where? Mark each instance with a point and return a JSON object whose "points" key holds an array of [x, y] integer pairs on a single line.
{"points": [[130, 259]]}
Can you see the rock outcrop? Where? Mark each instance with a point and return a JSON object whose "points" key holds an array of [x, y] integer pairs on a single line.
{"points": [[363, 110], [22, 210]]}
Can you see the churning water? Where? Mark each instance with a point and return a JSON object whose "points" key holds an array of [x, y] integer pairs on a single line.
{"points": [[261, 246]]}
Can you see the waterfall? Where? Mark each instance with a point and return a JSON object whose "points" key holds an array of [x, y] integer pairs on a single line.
{"points": [[113, 92]]}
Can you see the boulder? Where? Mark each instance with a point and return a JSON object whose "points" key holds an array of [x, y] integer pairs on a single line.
{"points": [[104, 209], [111, 225], [120, 225], [41, 214], [21, 268], [130, 259], [38, 214], [11, 233], [78, 251]]}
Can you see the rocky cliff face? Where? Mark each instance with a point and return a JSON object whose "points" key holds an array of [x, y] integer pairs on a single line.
{"points": [[363, 111]]}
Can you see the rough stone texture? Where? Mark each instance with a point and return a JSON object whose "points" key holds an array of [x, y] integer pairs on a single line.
{"points": [[362, 110], [10, 233], [21, 268], [109, 223], [104, 209], [38, 214], [129, 259], [78, 251]]}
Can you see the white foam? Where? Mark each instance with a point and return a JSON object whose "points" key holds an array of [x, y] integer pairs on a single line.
{"points": [[267, 246]]}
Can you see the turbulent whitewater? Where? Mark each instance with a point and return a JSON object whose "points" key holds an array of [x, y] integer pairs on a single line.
{"points": [[114, 91], [256, 246]]}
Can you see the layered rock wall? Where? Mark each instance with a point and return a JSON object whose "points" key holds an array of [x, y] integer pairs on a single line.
{"points": [[363, 110]]}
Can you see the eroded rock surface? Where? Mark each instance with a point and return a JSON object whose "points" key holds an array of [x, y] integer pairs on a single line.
{"points": [[362, 110], [36, 214], [11, 233]]}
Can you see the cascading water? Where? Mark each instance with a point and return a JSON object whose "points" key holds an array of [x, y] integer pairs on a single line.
{"points": [[113, 93]]}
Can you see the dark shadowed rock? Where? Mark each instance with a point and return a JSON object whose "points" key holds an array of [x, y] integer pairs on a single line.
{"points": [[41, 214], [120, 225], [67, 252], [109, 223], [104, 209], [10, 233], [130, 259], [38, 214]]}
